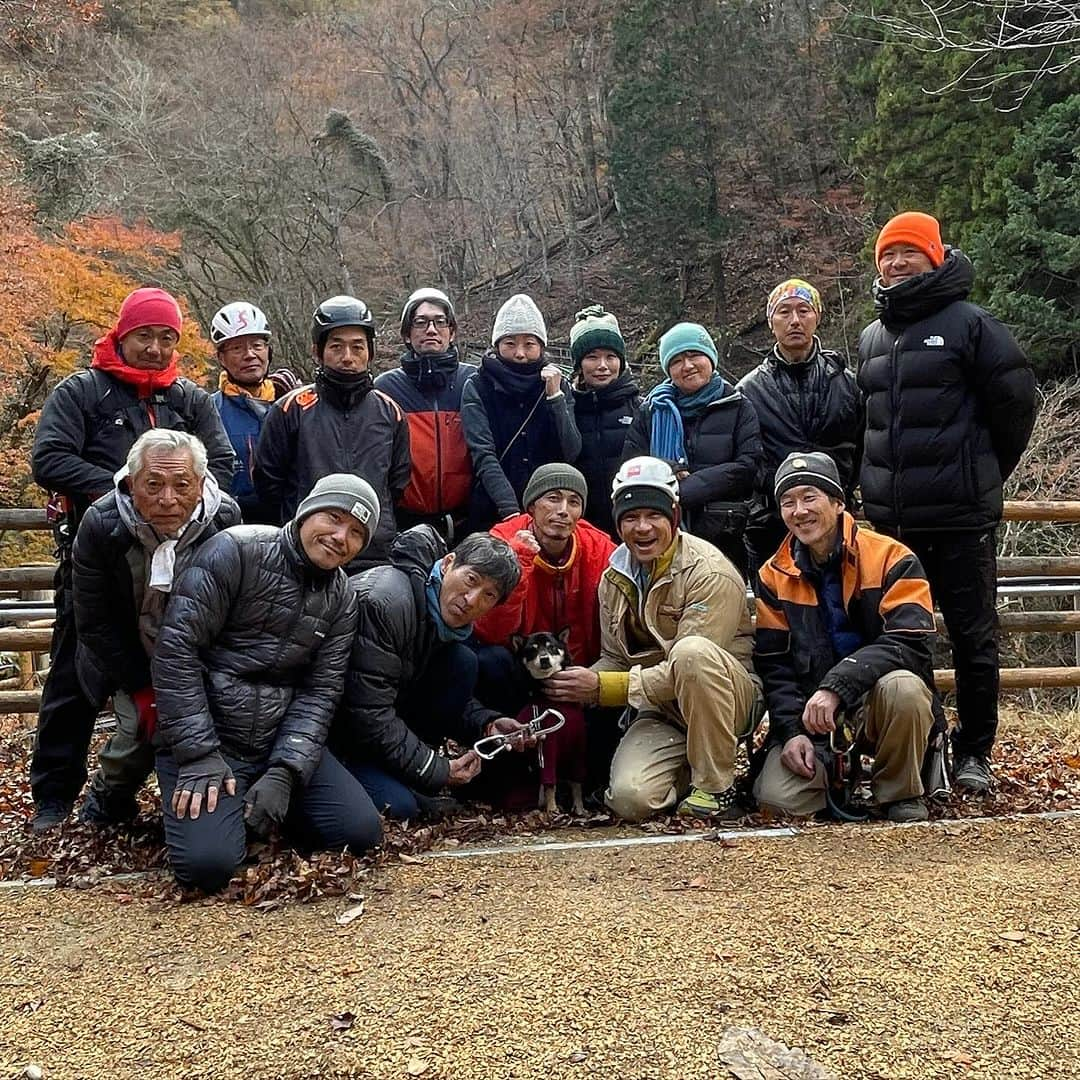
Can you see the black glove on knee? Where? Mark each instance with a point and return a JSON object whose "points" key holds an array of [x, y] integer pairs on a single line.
{"points": [[267, 800]]}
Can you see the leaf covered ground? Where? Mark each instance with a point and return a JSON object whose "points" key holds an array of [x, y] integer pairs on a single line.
{"points": [[941, 951]]}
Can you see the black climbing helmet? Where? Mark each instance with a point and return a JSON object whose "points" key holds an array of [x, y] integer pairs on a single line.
{"points": [[341, 311]]}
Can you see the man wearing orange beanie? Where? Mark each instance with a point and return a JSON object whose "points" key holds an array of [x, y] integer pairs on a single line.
{"points": [[87, 426], [950, 406]]}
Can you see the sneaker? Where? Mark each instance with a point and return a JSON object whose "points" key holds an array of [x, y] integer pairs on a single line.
{"points": [[50, 814], [904, 810], [103, 809], [973, 773], [706, 804]]}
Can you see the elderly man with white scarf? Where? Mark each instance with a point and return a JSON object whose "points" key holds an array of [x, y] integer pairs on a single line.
{"points": [[131, 545]]}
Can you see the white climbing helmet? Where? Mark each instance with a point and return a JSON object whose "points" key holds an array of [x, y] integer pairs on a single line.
{"points": [[237, 319], [645, 482]]}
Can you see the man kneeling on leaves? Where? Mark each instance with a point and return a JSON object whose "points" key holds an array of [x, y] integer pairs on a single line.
{"points": [[675, 646], [131, 546], [248, 670], [411, 674], [844, 622]]}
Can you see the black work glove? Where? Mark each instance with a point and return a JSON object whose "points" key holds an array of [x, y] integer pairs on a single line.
{"points": [[195, 779], [267, 800]]}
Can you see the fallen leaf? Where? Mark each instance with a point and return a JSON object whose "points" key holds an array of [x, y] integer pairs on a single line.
{"points": [[30, 1006], [39, 867], [578, 1056], [435, 893], [409, 860], [1017, 936], [342, 1021], [350, 914], [417, 1066]]}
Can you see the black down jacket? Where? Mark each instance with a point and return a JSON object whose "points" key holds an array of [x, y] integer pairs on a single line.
{"points": [[812, 405], [107, 558], [329, 427], [950, 405], [723, 447], [251, 656], [91, 420], [603, 417], [395, 640]]}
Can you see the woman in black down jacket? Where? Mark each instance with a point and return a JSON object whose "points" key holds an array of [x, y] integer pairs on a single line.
{"points": [[517, 412], [606, 400], [708, 432]]}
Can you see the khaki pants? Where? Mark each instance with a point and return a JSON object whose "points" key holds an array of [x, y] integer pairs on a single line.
{"points": [[124, 762], [895, 719], [692, 740]]}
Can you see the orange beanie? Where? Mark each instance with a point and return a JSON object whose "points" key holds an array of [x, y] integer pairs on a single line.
{"points": [[919, 230]]}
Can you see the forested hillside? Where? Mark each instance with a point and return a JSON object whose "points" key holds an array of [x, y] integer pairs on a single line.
{"points": [[664, 158]]}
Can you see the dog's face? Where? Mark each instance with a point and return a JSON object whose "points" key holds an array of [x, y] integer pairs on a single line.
{"points": [[541, 654]]}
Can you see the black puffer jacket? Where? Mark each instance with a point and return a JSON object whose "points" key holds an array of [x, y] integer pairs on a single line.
{"points": [[604, 417], [723, 447], [950, 405], [811, 405], [326, 428], [106, 593], [251, 657], [91, 420], [395, 640]]}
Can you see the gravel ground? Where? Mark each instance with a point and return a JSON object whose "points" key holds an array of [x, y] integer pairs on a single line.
{"points": [[884, 953]]}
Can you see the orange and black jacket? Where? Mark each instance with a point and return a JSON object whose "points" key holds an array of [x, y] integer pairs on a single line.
{"points": [[428, 391], [887, 600]]}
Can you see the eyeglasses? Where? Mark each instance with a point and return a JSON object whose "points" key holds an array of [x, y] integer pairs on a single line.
{"points": [[422, 322]]}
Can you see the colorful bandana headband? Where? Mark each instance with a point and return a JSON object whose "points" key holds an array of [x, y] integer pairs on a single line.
{"points": [[792, 289]]}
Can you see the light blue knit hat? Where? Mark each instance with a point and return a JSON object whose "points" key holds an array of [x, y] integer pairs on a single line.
{"points": [[686, 337]]}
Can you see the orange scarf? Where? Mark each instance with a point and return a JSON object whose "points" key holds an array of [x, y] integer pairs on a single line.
{"points": [[264, 392]]}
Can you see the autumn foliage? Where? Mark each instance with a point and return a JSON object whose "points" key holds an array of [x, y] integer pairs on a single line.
{"points": [[57, 294]]}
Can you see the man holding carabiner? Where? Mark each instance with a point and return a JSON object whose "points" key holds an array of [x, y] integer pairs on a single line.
{"points": [[411, 674]]}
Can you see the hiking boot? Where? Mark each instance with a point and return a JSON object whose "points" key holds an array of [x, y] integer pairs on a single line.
{"points": [[437, 807], [904, 810], [103, 809], [973, 774], [49, 814], [705, 804]]}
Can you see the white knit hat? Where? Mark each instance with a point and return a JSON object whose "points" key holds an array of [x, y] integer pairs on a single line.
{"points": [[519, 315]]}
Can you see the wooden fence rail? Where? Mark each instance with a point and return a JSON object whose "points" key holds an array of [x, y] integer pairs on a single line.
{"points": [[37, 639]]}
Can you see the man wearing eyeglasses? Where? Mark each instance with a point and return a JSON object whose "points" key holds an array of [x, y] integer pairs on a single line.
{"points": [[241, 335], [427, 386]]}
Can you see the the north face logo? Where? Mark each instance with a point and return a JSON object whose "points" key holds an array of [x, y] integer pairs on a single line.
{"points": [[934, 341], [626, 419], [360, 512]]}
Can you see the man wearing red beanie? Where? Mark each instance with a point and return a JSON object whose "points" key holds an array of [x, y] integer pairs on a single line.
{"points": [[87, 426], [950, 406]]}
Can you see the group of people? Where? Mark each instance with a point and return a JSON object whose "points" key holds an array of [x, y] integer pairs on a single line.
{"points": [[307, 602]]}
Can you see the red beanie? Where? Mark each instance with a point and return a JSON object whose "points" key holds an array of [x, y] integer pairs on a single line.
{"points": [[148, 307], [919, 230]]}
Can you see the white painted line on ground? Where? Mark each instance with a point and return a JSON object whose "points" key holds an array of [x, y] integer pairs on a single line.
{"points": [[618, 842], [727, 834]]}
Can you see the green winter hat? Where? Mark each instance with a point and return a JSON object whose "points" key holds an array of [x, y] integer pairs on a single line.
{"points": [[554, 477], [595, 328]]}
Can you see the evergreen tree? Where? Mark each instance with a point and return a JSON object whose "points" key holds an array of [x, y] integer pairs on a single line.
{"points": [[1031, 256]]}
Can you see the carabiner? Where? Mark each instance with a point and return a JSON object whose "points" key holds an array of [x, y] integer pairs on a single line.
{"points": [[492, 745]]}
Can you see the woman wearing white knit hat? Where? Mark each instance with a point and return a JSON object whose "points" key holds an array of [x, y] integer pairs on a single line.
{"points": [[517, 411]]}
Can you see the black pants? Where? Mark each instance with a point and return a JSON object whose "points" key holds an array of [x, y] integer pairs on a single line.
{"points": [[332, 812], [962, 570], [66, 719], [763, 538]]}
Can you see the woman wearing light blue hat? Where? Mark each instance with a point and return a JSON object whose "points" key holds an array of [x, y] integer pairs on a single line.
{"points": [[708, 432]]}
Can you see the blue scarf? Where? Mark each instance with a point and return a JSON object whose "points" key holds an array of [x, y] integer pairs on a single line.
{"points": [[434, 587], [669, 406]]}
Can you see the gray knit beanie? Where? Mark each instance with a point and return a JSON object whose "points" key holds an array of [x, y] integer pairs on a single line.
{"points": [[343, 491], [812, 469], [595, 328], [519, 315], [551, 478]]}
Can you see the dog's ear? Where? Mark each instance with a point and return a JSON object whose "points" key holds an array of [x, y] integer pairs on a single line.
{"points": [[516, 641], [564, 636]]}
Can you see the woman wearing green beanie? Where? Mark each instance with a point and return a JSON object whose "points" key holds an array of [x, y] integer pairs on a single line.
{"points": [[606, 400], [708, 432]]}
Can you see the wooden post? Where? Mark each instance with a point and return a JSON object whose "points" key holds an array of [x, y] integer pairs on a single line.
{"points": [[1019, 678]]}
